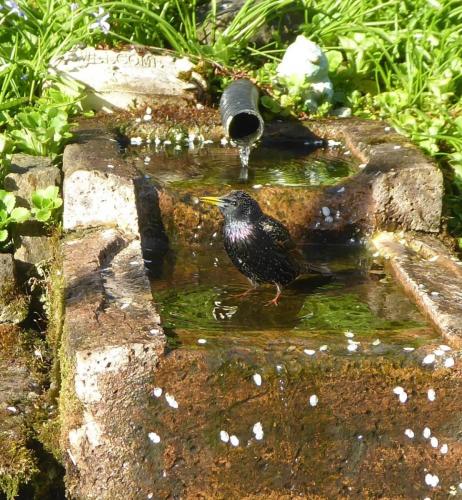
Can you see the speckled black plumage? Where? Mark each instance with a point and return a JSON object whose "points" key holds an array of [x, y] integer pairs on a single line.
{"points": [[258, 245]]}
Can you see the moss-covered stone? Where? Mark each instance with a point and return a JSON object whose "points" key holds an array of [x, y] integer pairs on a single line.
{"points": [[17, 463], [13, 305]]}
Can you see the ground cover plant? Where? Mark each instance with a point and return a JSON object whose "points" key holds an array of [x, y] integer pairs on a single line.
{"points": [[396, 60]]}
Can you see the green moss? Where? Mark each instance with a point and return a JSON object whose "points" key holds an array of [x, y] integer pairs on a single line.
{"points": [[17, 463], [13, 305]]}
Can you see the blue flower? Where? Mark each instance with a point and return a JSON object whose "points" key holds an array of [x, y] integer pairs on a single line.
{"points": [[101, 21], [14, 8]]}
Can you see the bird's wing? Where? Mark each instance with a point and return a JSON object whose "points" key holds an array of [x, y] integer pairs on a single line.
{"points": [[277, 232]]}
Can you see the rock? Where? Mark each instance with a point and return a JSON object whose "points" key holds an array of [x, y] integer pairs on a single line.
{"points": [[122, 79], [13, 304], [434, 283], [17, 460], [100, 188], [6, 269], [111, 344], [29, 173], [97, 185], [398, 188], [32, 250]]}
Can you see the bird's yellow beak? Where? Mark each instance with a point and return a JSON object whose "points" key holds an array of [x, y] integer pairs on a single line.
{"points": [[211, 200]]}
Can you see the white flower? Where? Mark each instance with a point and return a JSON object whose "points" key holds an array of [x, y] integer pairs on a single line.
{"points": [[101, 21]]}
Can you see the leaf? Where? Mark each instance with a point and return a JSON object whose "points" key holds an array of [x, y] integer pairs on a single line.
{"points": [[37, 198], [43, 215], [20, 214], [3, 234], [9, 200]]}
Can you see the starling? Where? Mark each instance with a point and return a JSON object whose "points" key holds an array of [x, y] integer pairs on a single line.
{"points": [[258, 245]]}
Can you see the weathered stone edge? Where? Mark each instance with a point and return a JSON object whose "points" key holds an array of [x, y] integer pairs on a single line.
{"points": [[431, 276]]}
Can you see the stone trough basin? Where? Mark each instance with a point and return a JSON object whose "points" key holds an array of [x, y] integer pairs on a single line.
{"points": [[156, 405]]}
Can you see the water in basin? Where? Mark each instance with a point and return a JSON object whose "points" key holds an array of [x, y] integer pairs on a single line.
{"points": [[324, 396]]}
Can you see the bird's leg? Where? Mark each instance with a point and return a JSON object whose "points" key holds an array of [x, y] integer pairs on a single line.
{"points": [[274, 301], [244, 294]]}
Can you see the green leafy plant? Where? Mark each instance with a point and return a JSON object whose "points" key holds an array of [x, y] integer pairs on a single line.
{"points": [[46, 204], [41, 131], [10, 214], [4, 157]]}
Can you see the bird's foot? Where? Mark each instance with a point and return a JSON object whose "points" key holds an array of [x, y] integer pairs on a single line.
{"points": [[243, 294], [273, 302]]}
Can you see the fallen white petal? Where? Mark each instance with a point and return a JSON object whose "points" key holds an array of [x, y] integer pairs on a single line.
{"points": [[224, 436], [309, 352], [258, 431], [257, 378], [157, 392], [409, 433], [438, 352], [171, 400], [431, 394], [426, 433], [444, 449], [349, 334], [398, 390], [429, 359], [323, 348], [155, 438], [376, 342], [449, 362], [314, 400], [352, 347], [408, 349], [201, 341], [444, 347], [403, 397], [234, 440], [431, 480], [434, 442]]}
